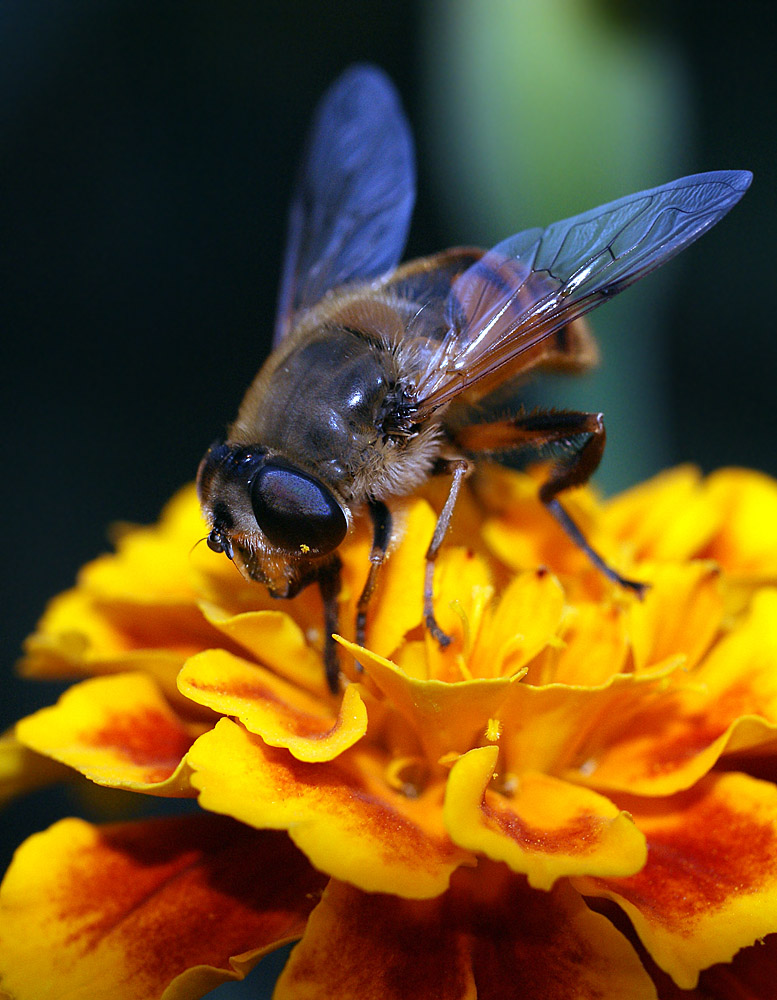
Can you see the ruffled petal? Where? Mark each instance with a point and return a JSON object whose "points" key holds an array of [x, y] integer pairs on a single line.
{"points": [[750, 975], [539, 728], [282, 714], [446, 717], [274, 639], [343, 814], [729, 703], [118, 731], [489, 936], [709, 886], [77, 638], [524, 536], [551, 728], [166, 908], [138, 609], [544, 828]]}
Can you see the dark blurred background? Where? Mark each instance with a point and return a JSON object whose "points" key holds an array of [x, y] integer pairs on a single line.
{"points": [[147, 152]]}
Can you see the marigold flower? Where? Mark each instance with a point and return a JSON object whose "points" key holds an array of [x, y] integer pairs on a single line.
{"points": [[573, 799]]}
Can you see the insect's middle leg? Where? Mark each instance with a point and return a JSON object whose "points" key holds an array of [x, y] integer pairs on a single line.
{"points": [[381, 523], [582, 435]]}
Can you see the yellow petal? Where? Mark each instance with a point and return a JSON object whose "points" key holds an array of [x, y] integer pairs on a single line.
{"points": [[488, 936], [81, 634], [168, 908], [710, 883], [343, 814], [284, 716], [118, 731], [751, 975], [75, 637], [526, 538], [546, 829]]}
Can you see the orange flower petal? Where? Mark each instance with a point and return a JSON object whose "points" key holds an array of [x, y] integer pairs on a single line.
{"points": [[118, 731], [545, 829], [135, 609], [284, 716], [152, 564], [168, 908], [521, 532], [710, 883], [489, 936], [343, 814], [729, 703]]}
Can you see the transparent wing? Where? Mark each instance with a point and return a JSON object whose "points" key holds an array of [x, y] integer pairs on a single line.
{"points": [[354, 196], [532, 284]]}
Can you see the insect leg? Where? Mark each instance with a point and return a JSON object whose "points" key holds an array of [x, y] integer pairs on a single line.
{"points": [[381, 535], [329, 585], [584, 436], [460, 467]]}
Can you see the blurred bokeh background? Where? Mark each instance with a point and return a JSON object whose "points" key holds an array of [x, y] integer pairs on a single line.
{"points": [[147, 152]]}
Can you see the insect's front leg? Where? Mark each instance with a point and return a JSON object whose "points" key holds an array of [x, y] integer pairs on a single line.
{"points": [[582, 435], [460, 469], [381, 535]]}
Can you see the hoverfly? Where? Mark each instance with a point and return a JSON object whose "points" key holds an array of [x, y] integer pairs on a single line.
{"points": [[374, 364]]}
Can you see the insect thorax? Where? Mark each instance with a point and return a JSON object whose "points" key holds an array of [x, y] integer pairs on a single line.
{"points": [[336, 404]]}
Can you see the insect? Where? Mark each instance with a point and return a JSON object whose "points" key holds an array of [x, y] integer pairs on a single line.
{"points": [[375, 365]]}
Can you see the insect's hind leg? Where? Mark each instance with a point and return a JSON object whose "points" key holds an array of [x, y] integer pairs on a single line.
{"points": [[583, 435]]}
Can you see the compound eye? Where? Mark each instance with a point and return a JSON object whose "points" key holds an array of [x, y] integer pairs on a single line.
{"points": [[295, 511]]}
